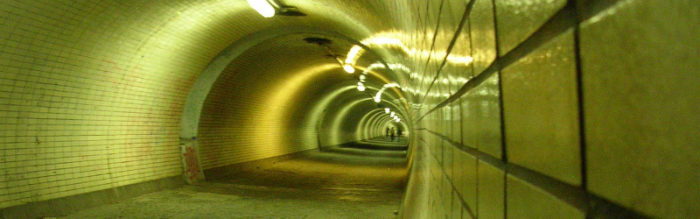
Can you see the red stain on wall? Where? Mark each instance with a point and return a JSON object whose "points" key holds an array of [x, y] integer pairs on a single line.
{"points": [[192, 170]]}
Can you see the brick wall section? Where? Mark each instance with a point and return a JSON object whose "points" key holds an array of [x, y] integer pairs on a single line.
{"points": [[589, 110], [260, 109], [91, 92]]}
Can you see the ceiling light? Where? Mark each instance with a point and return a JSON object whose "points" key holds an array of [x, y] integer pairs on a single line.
{"points": [[361, 87], [377, 98], [348, 68], [354, 53], [263, 7], [386, 110]]}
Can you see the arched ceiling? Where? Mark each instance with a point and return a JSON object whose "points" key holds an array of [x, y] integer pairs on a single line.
{"points": [[289, 93], [351, 23]]}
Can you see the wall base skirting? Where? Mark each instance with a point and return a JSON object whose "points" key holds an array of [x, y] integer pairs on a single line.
{"points": [[66, 205]]}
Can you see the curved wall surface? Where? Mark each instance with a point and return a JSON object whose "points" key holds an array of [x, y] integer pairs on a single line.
{"points": [[517, 109]]}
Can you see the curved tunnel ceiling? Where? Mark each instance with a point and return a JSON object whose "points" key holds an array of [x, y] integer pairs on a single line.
{"points": [[319, 21], [291, 75], [292, 93]]}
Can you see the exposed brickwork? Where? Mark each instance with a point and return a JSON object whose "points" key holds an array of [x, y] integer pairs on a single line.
{"points": [[91, 93]]}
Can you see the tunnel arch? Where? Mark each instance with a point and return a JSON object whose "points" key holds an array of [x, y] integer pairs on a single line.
{"points": [[202, 86], [374, 119], [225, 59], [189, 123], [365, 128], [332, 97]]}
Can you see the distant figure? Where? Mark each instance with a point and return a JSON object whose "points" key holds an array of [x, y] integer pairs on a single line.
{"points": [[398, 134], [392, 134], [387, 132]]}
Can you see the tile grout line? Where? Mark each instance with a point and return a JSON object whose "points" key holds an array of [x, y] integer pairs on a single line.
{"points": [[573, 195], [579, 92], [454, 188], [555, 26], [432, 44], [460, 28], [504, 154]]}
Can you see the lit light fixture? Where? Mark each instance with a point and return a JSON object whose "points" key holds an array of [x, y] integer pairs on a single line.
{"points": [[360, 86], [263, 7], [392, 114], [323, 43], [348, 68], [354, 53], [270, 8], [378, 97], [386, 110], [362, 78]]}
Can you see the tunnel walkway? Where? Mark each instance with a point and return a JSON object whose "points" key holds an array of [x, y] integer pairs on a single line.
{"points": [[376, 147], [363, 179]]}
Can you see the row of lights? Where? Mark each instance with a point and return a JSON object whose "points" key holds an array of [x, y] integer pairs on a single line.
{"points": [[360, 84], [268, 8], [392, 114]]}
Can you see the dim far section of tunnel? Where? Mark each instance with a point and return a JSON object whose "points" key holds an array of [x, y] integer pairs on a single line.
{"points": [[293, 108]]}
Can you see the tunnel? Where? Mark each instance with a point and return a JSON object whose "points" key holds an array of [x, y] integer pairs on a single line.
{"points": [[349, 109]]}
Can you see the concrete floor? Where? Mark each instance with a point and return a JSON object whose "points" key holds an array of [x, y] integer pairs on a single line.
{"points": [[354, 181]]}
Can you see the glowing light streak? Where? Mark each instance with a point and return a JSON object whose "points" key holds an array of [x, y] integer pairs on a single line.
{"points": [[348, 68], [378, 97], [263, 7], [354, 54], [393, 40], [360, 86]]}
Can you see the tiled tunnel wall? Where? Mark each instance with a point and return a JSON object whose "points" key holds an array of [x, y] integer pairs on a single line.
{"points": [[589, 109], [92, 93], [345, 128], [80, 115], [241, 121], [568, 109]]}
